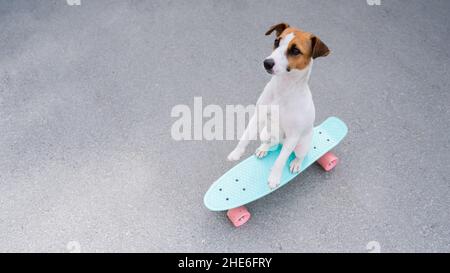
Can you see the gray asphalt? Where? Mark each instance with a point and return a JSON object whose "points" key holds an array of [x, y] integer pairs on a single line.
{"points": [[87, 161]]}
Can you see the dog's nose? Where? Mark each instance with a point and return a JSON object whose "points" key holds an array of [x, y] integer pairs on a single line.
{"points": [[268, 64]]}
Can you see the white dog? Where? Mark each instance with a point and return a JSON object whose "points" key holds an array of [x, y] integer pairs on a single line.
{"points": [[290, 64]]}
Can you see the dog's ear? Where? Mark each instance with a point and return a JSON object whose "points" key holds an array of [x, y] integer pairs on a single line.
{"points": [[279, 28], [319, 49]]}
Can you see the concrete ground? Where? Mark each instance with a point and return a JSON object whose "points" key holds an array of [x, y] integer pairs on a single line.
{"points": [[87, 161]]}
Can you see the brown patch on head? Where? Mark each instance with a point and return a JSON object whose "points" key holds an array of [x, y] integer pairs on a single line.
{"points": [[303, 48], [299, 51]]}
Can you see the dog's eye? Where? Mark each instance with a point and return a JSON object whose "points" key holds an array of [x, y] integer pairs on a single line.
{"points": [[295, 51], [276, 43]]}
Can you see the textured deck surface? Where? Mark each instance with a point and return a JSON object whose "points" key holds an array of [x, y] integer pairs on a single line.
{"points": [[247, 181]]}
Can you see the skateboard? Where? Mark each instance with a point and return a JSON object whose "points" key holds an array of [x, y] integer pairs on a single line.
{"points": [[247, 181]]}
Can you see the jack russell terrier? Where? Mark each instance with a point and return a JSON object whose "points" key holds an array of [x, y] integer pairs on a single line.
{"points": [[290, 64]]}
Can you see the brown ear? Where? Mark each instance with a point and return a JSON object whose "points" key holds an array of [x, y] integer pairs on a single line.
{"points": [[319, 49], [279, 28]]}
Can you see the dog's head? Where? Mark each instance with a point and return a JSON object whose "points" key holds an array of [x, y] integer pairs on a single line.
{"points": [[293, 49]]}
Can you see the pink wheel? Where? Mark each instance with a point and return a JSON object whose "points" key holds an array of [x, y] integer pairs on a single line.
{"points": [[238, 216], [328, 161]]}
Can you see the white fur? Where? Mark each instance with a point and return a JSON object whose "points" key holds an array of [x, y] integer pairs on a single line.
{"points": [[290, 92], [279, 55]]}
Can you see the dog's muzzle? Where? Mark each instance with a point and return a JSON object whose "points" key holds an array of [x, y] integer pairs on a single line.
{"points": [[269, 64]]}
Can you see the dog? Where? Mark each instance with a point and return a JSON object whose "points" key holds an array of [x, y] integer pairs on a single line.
{"points": [[290, 65]]}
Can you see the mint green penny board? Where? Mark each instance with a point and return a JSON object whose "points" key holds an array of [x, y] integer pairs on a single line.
{"points": [[247, 181]]}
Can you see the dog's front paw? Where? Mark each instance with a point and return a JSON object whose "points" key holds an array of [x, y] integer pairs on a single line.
{"points": [[262, 151], [274, 180], [236, 154], [295, 165]]}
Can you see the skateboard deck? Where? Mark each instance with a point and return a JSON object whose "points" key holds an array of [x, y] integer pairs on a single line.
{"points": [[247, 181]]}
